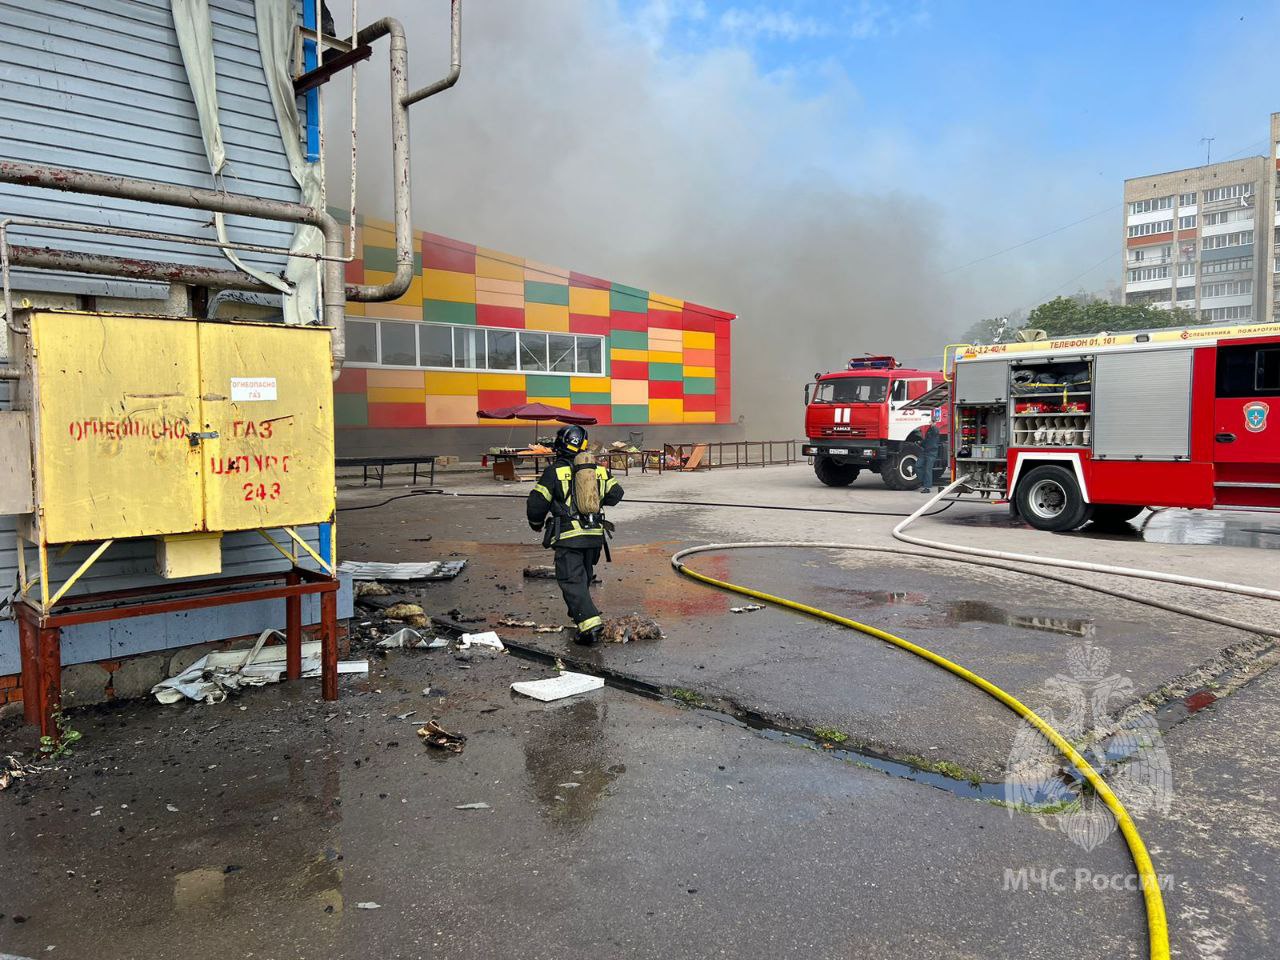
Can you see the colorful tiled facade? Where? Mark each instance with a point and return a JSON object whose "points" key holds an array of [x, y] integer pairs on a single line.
{"points": [[614, 352]]}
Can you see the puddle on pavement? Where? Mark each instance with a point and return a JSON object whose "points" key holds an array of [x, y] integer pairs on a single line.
{"points": [[955, 612], [1206, 527]]}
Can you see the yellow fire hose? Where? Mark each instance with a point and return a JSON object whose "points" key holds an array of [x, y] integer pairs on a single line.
{"points": [[1157, 926]]}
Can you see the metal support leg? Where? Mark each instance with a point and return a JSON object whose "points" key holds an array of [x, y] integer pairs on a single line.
{"points": [[30, 669], [329, 645], [293, 631], [48, 679]]}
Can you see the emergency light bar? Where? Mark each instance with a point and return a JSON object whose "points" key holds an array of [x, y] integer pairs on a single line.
{"points": [[872, 363]]}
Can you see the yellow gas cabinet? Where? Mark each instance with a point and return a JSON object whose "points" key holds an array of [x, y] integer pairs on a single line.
{"points": [[178, 429]]}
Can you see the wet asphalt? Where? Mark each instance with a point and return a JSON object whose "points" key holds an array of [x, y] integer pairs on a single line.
{"points": [[621, 825]]}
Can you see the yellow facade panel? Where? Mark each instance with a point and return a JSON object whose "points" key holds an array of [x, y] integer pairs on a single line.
{"points": [[699, 416], [445, 411], [633, 392], [500, 381], [618, 353], [355, 309], [396, 394], [449, 285], [700, 372], [412, 297], [499, 265], [396, 378], [588, 301], [488, 298], [666, 411], [499, 285], [666, 356], [659, 302], [374, 235], [452, 385], [589, 384], [699, 340], [546, 316], [393, 310], [378, 276]]}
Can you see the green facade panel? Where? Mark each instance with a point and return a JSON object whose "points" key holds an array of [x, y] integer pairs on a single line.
{"points": [[665, 371], [630, 299], [591, 399], [446, 311], [538, 385], [536, 291], [699, 385], [630, 413], [630, 339], [384, 259], [350, 410]]}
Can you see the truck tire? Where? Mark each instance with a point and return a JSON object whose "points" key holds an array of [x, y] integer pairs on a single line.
{"points": [[835, 474], [1050, 499], [899, 471], [1114, 515]]}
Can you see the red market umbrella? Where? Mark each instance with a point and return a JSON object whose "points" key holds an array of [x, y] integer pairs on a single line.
{"points": [[535, 411]]}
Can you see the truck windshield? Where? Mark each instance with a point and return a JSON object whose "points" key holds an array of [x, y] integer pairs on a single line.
{"points": [[852, 390]]}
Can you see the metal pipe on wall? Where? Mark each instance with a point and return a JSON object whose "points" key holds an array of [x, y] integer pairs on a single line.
{"points": [[401, 100]]}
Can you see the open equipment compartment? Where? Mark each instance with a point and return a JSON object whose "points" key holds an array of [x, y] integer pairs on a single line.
{"points": [[1051, 402]]}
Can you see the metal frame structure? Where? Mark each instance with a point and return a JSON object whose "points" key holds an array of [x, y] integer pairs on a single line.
{"points": [[40, 631]]}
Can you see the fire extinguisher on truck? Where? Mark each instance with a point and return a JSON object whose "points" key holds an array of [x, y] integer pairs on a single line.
{"points": [[867, 417], [1097, 428]]}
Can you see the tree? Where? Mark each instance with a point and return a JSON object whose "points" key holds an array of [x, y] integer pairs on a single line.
{"points": [[1073, 316]]}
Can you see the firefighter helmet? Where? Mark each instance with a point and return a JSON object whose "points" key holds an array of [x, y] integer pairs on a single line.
{"points": [[570, 440]]}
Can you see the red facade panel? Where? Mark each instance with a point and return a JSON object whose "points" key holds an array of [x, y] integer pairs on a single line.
{"points": [[693, 320], [629, 370], [602, 412], [488, 399], [397, 415], [625, 320], [666, 390], [1152, 238], [586, 280], [353, 272], [582, 323], [351, 380], [666, 319], [488, 315], [442, 253], [697, 402]]}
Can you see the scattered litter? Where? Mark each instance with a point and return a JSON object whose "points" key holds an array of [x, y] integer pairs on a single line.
{"points": [[569, 785], [368, 905], [404, 612], [426, 691], [430, 570], [749, 608], [489, 640], [434, 735], [11, 769], [406, 638], [171, 808], [557, 688], [540, 573], [472, 806], [461, 617], [406, 715], [533, 625], [214, 675], [371, 588], [631, 627]]}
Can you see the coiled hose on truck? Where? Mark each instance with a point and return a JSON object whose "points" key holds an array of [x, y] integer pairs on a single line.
{"points": [[1157, 924]]}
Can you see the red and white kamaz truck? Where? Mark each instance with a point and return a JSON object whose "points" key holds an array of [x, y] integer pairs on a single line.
{"points": [[1099, 427], [859, 419]]}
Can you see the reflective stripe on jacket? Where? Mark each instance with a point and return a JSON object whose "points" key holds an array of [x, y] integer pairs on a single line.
{"points": [[555, 487]]}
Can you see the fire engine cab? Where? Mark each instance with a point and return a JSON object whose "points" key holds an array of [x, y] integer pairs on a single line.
{"points": [[859, 419], [1100, 427]]}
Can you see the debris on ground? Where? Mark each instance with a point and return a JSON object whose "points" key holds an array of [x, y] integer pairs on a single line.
{"points": [[406, 638], [410, 613], [472, 806], [461, 617], [558, 688], [371, 588], [749, 608], [631, 627], [434, 735], [533, 625], [216, 674], [11, 769], [430, 570], [379, 602], [540, 573], [368, 905], [488, 640]]}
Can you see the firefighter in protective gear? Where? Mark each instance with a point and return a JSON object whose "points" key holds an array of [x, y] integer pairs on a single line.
{"points": [[566, 504]]}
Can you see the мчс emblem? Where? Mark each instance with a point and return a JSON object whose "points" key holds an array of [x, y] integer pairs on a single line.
{"points": [[1255, 416]]}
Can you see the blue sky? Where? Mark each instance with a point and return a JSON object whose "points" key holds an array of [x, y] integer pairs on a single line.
{"points": [[1010, 118]]}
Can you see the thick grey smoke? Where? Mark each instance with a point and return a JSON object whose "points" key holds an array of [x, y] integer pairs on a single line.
{"points": [[576, 141]]}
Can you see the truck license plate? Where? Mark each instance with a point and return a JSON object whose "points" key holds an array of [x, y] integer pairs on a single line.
{"points": [[837, 450]]}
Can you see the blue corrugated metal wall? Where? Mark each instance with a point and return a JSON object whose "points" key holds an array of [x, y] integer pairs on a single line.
{"points": [[100, 86]]}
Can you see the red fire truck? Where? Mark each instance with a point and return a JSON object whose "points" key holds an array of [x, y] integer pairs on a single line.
{"points": [[859, 419], [1099, 427]]}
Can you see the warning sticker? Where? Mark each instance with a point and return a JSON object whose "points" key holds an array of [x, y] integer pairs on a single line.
{"points": [[248, 389]]}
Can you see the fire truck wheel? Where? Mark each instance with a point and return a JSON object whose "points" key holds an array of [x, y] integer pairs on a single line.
{"points": [[1114, 514], [835, 474], [1049, 499], [899, 471]]}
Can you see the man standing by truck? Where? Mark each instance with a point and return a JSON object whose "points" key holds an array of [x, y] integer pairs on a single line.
{"points": [[929, 444], [566, 504]]}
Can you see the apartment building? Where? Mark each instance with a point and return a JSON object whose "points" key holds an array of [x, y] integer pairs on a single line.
{"points": [[1206, 238]]}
